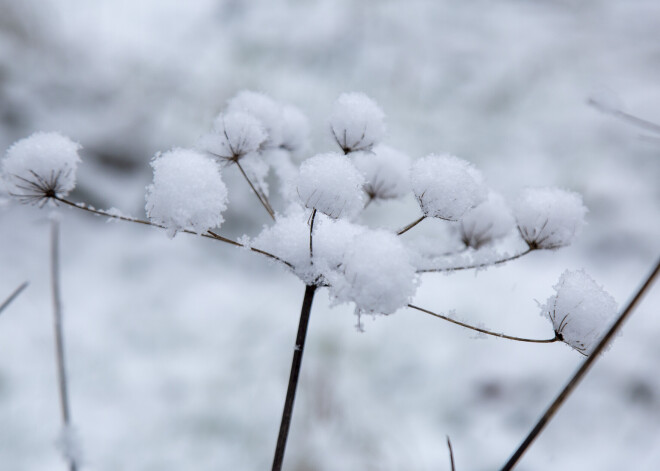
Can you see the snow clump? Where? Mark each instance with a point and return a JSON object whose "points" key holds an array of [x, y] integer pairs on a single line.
{"points": [[234, 135], [386, 170], [332, 185], [580, 311], [41, 166], [549, 218], [295, 129], [265, 109], [356, 122], [187, 192], [487, 222], [446, 187]]}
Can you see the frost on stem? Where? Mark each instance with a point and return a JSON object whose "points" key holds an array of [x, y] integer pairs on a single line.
{"points": [[263, 108], [446, 187], [580, 311], [40, 167], [386, 171], [332, 185], [187, 192], [356, 122], [486, 223], [234, 135], [549, 218]]}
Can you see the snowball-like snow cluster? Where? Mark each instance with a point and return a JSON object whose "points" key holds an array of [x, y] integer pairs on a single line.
{"points": [[263, 108], [332, 185], [187, 192], [549, 218], [580, 311], [446, 187], [356, 122], [41, 166], [295, 129], [489, 221], [386, 170], [234, 135]]}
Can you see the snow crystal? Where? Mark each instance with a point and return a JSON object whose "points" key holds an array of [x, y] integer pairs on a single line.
{"points": [[234, 135], [490, 220], [331, 184], [356, 122], [581, 311], [187, 193], [376, 274], [446, 187], [295, 129], [386, 170], [265, 109], [40, 166], [549, 218]]}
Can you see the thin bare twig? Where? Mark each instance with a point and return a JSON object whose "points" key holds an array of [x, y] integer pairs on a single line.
{"points": [[311, 230], [477, 265], [262, 198], [483, 331], [582, 370], [451, 454], [13, 296], [410, 226]]}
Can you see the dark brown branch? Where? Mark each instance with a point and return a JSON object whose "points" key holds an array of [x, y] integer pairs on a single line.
{"points": [[410, 226], [13, 296], [582, 370], [262, 198], [483, 331], [451, 454], [478, 265]]}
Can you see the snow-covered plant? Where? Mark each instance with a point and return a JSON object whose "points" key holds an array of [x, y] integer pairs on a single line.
{"points": [[317, 234]]}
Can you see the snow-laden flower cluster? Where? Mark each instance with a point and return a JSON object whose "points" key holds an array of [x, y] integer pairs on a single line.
{"points": [[234, 135], [486, 223], [41, 166], [386, 170], [580, 311], [357, 122]]}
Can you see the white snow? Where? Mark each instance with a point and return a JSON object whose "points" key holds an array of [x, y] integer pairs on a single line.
{"points": [[265, 109], [42, 163], [356, 122], [446, 186], [549, 218], [489, 221], [580, 311], [295, 129], [331, 184], [386, 170], [187, 192], [234, 135]]}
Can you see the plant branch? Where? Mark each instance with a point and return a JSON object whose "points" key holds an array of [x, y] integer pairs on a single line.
{"points": [[13, 296], [632, 119], [477, 265], [451, 454], [483, 331], [59, 334], [411, 225], [311, 229], [582, 370], [262, 198], [293, 377]]}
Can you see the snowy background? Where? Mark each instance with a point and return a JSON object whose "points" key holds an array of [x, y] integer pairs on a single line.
{"points": [[179, 350]]}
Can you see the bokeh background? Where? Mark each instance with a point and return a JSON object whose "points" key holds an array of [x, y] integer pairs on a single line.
{"points": [[179, 350]]}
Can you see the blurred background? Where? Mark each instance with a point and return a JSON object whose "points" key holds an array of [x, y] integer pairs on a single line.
{"points": [[179, 350]]}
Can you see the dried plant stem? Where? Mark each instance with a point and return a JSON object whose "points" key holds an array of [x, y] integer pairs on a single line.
{"points": [[311, 230], [483, 331], [59, 334], [208, 235], [582, 370], [451, 454], [632, 119], [293, 377], [410, 226], [262, 198], [13, 296], [477, 265]]}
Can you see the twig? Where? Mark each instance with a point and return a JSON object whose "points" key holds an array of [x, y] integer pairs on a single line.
{"points": [[478, 265], [293, 377], [59, 334], [410, 226], [311, 229], [262, 198], [632, 119], [483, 331], [451, 454], [584, 368], [13, 296]]}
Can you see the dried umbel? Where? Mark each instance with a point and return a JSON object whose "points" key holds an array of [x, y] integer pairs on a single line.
{"points": [[357, 122]]}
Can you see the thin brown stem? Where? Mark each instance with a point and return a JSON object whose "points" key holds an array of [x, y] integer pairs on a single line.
{"points": [[293, 377], [262, 198], [311, 230], [582, 370], [451, 454], [410, 226], [13, 296], [478, 265], [483, 331]]}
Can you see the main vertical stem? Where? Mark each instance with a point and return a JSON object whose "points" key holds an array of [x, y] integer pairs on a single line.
{"points": [[293, 377]]}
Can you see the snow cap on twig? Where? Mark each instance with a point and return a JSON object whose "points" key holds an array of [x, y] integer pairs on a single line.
{"points": [[356, 122]]}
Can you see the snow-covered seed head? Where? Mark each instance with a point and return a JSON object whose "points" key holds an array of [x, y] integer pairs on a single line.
{"points": [[332, 185], [187, 192], [265, 109], [41, 167], [446, 187], [489, 221], [386, 170], [580, 311], [234, 135], [295, 129], [356, 122], [549, 218]]}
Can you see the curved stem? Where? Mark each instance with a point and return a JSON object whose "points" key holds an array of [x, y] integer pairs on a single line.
{"points": [[293, 377], [262, 198], [478, 265], [13, 296], [311, 229], [410, 226], [208, 234], [579, 374], [483, 331]]}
